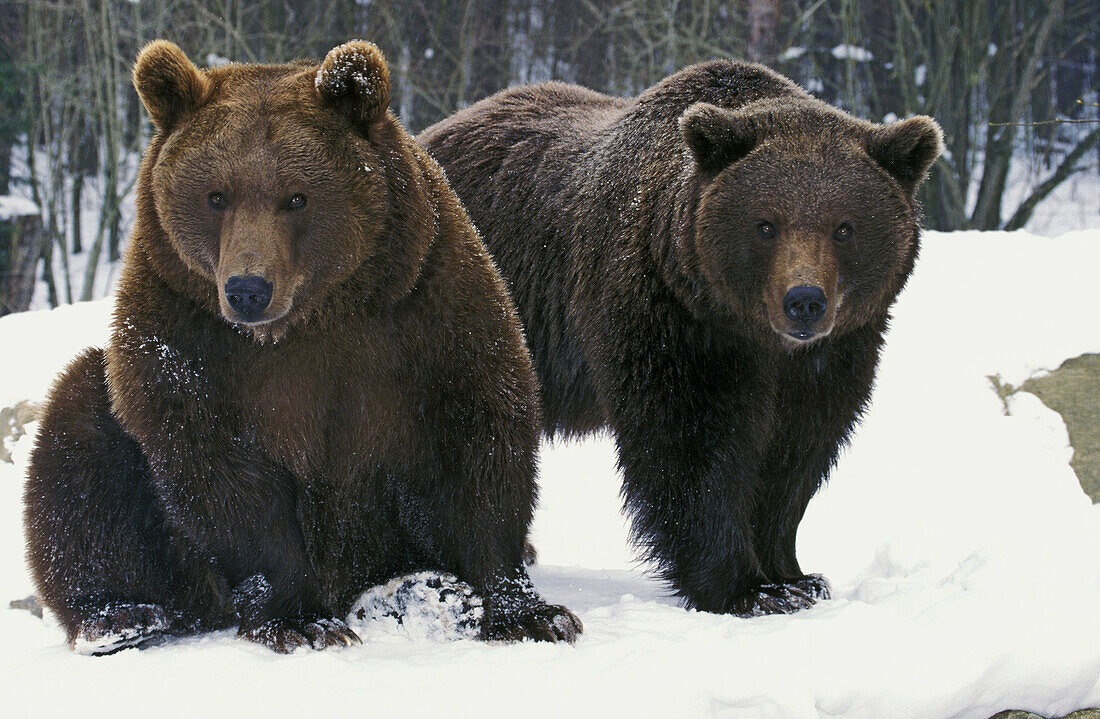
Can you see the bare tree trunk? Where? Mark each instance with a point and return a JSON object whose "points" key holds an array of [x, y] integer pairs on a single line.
{"points": [[77, 195], [1067, 167], [1001, 139], [590, 53], [884, 94], [5, 167], [22, 236], [491, 56], [11, 91], [763, 21]]}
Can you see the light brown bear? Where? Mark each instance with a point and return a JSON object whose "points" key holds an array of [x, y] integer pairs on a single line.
{"points": [[315, 379]]}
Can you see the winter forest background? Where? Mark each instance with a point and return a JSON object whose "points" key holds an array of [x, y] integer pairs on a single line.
{"points": [[1013, 82], [960, 544]]}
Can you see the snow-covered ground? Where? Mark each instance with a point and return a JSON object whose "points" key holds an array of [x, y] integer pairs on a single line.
{"points": [[964, 556]]}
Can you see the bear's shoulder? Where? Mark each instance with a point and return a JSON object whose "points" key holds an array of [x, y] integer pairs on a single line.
{"points": [[726, 83]]}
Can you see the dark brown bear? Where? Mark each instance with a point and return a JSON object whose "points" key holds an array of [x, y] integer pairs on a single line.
{"points": [[706, 269], [315, 379]]}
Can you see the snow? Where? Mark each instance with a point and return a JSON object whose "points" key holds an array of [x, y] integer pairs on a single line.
{"points": [[1074, 204], [11, 206], [813, 84], [39, 344], [920, 75], [356, 65], [213, 59], [425, 605], [963, 555], [792, 53], [852, 52]]}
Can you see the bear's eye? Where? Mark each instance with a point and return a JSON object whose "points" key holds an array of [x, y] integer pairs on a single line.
{"points": [[296, 202], [843, 233], [765, 230], [217, 200]]}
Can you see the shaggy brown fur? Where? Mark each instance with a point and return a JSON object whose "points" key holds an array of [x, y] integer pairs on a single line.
{"points": [[706, 269], [369, 412]]}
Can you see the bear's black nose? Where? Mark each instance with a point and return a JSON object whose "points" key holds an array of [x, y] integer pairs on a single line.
{"points": [[249, 295], [805, 305]]}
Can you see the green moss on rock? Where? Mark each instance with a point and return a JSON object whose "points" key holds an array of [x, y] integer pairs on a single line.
{"points": [[1073, 391]]}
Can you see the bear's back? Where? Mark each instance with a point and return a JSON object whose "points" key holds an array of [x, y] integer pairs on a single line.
{"points": [[513, 130], [549, 173]]}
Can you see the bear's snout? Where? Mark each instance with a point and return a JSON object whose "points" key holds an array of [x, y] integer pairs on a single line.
{"points": [[805, 305], [249, 295]]}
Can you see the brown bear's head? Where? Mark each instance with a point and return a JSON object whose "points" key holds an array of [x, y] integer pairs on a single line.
{"points": [[806, 219], [268, 182]]}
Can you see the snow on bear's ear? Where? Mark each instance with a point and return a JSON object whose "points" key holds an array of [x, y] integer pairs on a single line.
{"points": [[167, 83], [717, 137], [907, 149], [355, 81]]}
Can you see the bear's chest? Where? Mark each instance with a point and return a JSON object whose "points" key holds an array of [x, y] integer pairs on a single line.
{"points": [[331, 407], [324, 413]]}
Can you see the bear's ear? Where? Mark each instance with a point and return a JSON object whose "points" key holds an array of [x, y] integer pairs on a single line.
{"points": [[717, 137], [167, 83], [355, 81], [907, 149]]}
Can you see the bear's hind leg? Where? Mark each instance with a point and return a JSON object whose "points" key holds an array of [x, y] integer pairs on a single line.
{"points": [[96, 541], [107, 626]]}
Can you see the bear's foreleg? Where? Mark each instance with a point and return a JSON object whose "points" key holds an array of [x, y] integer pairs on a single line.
{"points": [[691, 439], [470, 512], [514, 610], [821, 394], [480, 538], [220, 490], [225, 496], [788, 484], [692, 518], [241, 509]]}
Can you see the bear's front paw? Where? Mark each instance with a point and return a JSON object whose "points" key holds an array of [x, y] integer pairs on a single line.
{"points": [[120, 625], [285, 634], [539, 622], [781, 597]]}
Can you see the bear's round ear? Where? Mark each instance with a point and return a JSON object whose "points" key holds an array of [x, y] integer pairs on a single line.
{"points": [[167, 83], [355, 81], [717, 137], [907, 149]]}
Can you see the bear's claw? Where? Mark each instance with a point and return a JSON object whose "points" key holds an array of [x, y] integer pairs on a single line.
{"points": [[540, 622], [285, 634], [784, 597]]}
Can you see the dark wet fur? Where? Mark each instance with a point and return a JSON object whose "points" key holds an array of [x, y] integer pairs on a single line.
{"points": [[627, 231]]}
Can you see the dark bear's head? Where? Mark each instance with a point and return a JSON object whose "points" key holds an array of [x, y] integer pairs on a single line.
{"points": [[806, 220], [269, 182]]}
